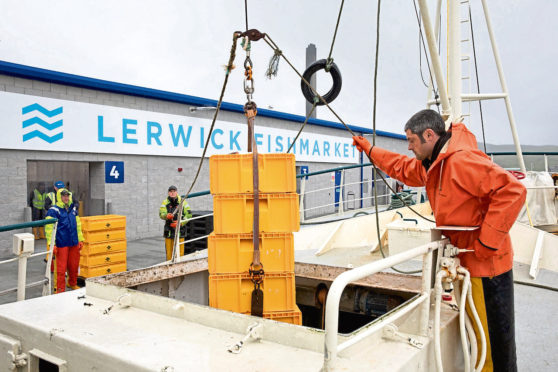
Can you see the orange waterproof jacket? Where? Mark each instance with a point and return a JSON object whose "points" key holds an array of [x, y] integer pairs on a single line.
{"points": [[465, 188]]}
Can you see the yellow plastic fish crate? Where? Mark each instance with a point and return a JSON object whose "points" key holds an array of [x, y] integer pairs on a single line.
{"points": [[292, 317], [102, 259], [104, 236], [232, 174], [92, 271], [233, 292], [233, 253], [104, 222], [103, 247], [234, 214]]}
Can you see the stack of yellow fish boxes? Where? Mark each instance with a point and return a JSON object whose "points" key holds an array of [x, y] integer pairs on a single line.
{"points": [[104, 248], [230, 246]]}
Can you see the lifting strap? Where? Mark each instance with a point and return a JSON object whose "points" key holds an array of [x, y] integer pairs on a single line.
{"points": [[256, 268]]}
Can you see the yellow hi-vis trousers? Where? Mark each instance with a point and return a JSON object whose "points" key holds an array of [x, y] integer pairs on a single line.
{"points": [[168, 247]]}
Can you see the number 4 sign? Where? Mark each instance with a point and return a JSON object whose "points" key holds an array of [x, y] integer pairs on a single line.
{"points": [[114, 172]]}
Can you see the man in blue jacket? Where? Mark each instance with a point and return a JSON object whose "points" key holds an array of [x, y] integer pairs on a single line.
{"points": [[68, 241]]}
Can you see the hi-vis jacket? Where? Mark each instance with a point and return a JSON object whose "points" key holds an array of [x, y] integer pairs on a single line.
{"points": [[168, 206], [465, 188], [68, 232]]}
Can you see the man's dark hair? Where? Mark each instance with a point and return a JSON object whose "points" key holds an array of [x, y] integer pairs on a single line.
{"points": [[423, 120]]}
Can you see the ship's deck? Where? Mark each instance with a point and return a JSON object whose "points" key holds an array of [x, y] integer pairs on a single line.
{"points": [[536, 334]]}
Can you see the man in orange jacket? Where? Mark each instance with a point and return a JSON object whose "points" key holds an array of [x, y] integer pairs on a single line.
{"points": [[466, 188]]}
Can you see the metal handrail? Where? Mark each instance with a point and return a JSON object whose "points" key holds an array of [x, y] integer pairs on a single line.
{"points": [[26, 225], [357, 199], [334, 186], [331, 347], [17, 257], [523, 152], [15, 289], [301, 175], [333, 170]]}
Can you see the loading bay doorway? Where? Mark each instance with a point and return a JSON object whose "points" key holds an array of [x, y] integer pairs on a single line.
{"points": [[81, 178]]}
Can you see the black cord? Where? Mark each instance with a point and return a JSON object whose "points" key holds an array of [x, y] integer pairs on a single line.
{"points": [[420, 61], [375, 170], [434, 90]]}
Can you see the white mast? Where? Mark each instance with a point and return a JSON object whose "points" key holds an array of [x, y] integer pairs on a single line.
{"points": [[454, 66]]}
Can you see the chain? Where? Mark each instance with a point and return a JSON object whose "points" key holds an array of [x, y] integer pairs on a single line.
{"points": [[248, 76]]}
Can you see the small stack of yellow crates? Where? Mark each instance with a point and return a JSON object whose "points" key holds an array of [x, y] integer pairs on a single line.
{"points": [[230, 246], [104, 248]]}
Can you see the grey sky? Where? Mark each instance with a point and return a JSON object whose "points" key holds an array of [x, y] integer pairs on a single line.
{"points": [[180, 46]]}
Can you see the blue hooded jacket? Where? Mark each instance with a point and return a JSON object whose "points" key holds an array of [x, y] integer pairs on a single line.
{"points": [[68, 232]]}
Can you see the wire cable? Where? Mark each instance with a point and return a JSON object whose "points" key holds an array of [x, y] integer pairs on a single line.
{"points": [[477, 76], [303, 125], [269, 41], [246, 13], [335, 33]]}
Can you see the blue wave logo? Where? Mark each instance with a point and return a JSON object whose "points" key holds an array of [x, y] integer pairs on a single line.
{"points": [[49, 126]]}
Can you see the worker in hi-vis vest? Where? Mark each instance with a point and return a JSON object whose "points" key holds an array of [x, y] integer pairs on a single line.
{"points": [[37, 204], [68, 241], [52, 197], [169, 212]]}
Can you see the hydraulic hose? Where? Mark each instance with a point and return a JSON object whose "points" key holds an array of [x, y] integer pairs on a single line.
{"points": [[438, 303], [462, 314], [476, 317], [470, 329], [472, 339]]}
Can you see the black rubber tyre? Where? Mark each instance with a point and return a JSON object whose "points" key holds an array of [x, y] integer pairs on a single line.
{"points": [[335, 75]]}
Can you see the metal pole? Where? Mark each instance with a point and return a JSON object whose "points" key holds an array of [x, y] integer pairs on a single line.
{"points": [[311, 53], [504, 86], [341, 182], [301, 203], [176, 242], [435, 58], [47, 287], [454, 59], [21, 276], [437, 30], [545, 163], [425, 288]]}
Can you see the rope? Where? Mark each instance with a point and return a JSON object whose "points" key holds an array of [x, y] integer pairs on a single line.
{"points": [[303, 125], [273, 66], [477, 76], [375, 170], [329, 60], [397, 203], [269, 41], [228, 69]]}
